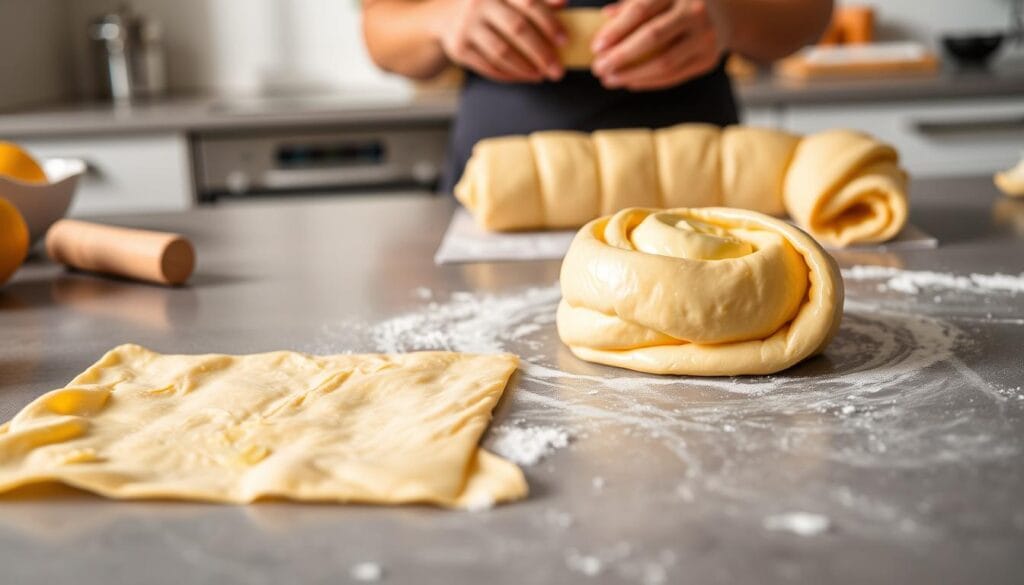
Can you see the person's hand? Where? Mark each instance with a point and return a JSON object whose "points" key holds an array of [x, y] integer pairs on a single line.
{"points": [[506, 40], [654, 44]]}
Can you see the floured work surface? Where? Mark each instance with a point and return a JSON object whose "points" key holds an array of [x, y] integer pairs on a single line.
{"points": [[349, 428], [464, 241]]}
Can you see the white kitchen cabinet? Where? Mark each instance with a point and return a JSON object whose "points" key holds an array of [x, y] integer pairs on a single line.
{"points": [[126, 173], [763, 116], [934, 138]]}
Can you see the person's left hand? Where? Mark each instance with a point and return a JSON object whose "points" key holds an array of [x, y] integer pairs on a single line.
{"points": [[654, 44]]}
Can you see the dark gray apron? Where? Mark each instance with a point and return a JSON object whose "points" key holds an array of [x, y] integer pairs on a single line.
{"points": [[578, 102]]}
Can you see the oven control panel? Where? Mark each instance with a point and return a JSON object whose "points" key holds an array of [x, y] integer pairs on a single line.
{"points": [[267, 162]]}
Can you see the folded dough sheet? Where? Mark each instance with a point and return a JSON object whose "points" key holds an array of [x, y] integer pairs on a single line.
{"points": [[383, 429]]}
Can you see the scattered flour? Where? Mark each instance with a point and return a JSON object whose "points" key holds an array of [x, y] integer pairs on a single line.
{"points": [[527, 445], [876, 353], [799, 523], [891, 392], [684, 492], [480, 503], [588, 565], [367, 572], [627, 564], [913, 281], [468, 322], [558, 518]]}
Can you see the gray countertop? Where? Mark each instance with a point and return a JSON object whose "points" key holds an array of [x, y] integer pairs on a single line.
{"points": [[894, 458], [207, 114], [203, 114]]}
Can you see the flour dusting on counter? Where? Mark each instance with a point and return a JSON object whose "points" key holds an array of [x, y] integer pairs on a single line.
{"points": [[798, 523], [485, 323], [624, 561], [914, 281], [590, 566], [527, 445], [893, 391], [368, 572]]}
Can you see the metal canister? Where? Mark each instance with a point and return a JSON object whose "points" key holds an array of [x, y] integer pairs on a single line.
{"points": [[129, 56]]}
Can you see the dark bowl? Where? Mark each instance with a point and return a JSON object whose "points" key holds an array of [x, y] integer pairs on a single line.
{"points": [[972, 50]]}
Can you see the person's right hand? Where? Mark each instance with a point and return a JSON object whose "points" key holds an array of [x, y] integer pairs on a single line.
{"points": [[506, 40]]}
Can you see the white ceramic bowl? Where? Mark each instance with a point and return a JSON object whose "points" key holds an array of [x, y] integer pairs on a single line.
{"points": [[43, 204]]}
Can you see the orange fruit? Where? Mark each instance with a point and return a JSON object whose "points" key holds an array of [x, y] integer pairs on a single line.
{"points": [[18, 164], [13, 239]]}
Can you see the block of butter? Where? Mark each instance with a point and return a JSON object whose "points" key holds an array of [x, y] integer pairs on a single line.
{"points": [[581, 24]]}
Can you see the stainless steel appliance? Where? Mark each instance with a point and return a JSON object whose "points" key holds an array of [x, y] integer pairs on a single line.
{"points": [[279, 162]]}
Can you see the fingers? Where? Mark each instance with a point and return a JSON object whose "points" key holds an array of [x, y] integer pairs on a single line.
{"points": [[541, 15], [508, 40], [610, 10], [502, 56], [624, 19], [475, 61], [690, 57], [667, 44], [648, 39], [519, 29]]}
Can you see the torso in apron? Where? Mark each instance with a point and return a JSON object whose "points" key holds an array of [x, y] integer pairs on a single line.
{"points": [[578, 102]]}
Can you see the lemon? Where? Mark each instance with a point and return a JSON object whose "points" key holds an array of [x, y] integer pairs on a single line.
{"points": [[18, 164], [1011, 181], [13, 239]]}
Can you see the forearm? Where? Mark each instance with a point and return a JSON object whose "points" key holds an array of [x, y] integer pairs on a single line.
{"points": [[764, 30], [402, 35]]}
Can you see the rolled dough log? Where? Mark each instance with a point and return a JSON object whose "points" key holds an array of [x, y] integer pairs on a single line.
{"points": [[382, 429], [627, 169], [846, 188], [754, 163], [689, 165], [568, 181], [842, 186], [702, 292]]}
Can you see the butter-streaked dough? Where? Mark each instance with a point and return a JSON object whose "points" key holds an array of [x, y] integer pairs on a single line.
{"points": [[842, 186], [702, 292], [383, 429]]}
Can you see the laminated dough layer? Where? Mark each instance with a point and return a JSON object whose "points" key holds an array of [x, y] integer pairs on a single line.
{"points": [[382, 429], [842, 186], [701, 292]]}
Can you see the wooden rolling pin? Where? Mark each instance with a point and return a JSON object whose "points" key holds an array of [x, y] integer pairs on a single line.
{"points": [[158, 257]]}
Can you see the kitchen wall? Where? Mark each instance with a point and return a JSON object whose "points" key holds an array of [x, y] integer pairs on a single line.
{"points": [[925, 20], [34, 67], [255, 46], [249, 46]]}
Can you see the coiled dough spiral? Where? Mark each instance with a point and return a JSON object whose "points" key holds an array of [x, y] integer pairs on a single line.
{"points": [[703, 292], [842, 186]]}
